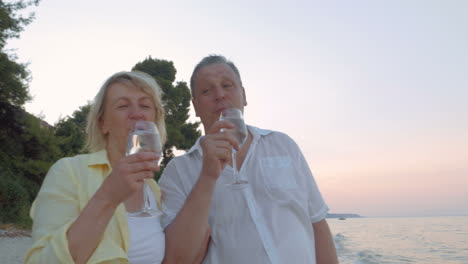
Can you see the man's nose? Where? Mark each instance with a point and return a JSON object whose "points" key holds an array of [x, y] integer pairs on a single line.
{"points": [[220, 93]]}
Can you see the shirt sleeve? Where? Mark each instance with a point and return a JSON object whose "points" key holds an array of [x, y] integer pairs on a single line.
{"points": [[317, 207], [172, 194], [55, 208]]}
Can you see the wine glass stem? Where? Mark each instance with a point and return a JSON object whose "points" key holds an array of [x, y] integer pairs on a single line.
{"points": [[234, 165], [146, 203]]}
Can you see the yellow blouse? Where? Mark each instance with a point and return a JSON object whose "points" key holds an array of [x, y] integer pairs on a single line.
{"points": [[67, 188]]}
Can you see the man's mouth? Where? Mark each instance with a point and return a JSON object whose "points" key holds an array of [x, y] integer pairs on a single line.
{"points": [[223, 106], [220, 109]]}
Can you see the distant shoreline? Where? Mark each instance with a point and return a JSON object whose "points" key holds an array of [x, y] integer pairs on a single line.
{"points": [[343, 216]]}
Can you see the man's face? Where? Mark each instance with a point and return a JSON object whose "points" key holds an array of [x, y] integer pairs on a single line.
{"points": [[217, 87]]}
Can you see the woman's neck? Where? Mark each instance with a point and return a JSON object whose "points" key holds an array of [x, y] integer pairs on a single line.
{"points": [[114, 153]]}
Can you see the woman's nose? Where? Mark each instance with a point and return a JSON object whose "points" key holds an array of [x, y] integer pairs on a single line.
{"points": [[136, 113]]}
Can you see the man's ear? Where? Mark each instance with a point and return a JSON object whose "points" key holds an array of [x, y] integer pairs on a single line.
{"points": [[245, 97], [195, 107]]}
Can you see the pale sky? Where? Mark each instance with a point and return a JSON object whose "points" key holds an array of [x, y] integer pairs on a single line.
{"points": [[374, 92]]}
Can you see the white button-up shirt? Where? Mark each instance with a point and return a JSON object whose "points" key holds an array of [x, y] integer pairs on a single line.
{"points": [[268, 222]]}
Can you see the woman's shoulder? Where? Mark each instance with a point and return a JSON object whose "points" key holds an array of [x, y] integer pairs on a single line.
{"points": [[77, 159], [99, 157], [80, 161]]}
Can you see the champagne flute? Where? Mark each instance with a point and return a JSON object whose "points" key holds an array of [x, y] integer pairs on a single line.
{"points": [[235, 117], [145, 137]]}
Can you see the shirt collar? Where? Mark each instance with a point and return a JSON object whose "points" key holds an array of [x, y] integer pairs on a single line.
{"points": [[256, 133], [98, 159]]}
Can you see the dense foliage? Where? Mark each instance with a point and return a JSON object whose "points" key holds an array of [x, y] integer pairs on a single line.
{"points": [[25, 152]]}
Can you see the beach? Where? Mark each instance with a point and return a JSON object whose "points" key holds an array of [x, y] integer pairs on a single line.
{"points": [[13, 245], [358, 240]]}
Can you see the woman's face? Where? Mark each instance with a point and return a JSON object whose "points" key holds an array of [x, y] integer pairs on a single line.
{"points": [[124, 104]]}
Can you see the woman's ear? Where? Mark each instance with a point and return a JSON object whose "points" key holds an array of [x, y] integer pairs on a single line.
{"points": [[102, 126]]}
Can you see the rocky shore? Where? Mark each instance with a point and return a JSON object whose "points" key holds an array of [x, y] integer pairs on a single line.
{"points": [[13, 245]]}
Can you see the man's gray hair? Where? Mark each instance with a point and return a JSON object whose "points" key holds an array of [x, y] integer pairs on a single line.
{"points": [[209, 60]]}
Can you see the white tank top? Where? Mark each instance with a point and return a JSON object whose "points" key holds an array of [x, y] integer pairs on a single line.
{"points": [[147, 243]]}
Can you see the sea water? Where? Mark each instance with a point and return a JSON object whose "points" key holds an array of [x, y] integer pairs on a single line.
{"points": [[401, 240]]}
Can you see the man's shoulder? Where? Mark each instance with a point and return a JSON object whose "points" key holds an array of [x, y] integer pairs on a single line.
{"points": [[188, 159], [187, 156], [180, 169], [273, 134]]}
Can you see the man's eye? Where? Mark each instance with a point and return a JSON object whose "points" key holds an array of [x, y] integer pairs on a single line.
{"points": [[207, 91], [227, 86], [146, 106], [122, 106]]}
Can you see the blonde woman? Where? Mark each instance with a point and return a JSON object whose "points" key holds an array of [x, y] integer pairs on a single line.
{"points": [[80, 213]]}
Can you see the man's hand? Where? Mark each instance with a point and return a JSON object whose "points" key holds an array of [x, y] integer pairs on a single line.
{"points": [[217, 148]]}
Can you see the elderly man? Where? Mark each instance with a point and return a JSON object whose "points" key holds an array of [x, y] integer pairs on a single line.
{"points": [[278, 218]]}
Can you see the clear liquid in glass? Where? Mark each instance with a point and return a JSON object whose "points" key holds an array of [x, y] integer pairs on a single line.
{"points": [[235, 117], [145, 137]]}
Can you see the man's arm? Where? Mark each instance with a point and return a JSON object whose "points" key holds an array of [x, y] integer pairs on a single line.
{"points": [[325, 251], [324, 247], [188, 235]]}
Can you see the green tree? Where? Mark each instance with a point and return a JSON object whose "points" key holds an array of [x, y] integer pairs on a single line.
{"points": [[71, 133], [13, 75], [25, 158], [176, 99], [26, 148]]}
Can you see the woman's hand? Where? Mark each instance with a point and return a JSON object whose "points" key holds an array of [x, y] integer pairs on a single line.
{"points": [[128, 176]]}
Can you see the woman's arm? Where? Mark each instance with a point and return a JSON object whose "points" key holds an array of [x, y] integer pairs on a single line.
{"points": [[128, 176], [64, 234], [86, 232]]}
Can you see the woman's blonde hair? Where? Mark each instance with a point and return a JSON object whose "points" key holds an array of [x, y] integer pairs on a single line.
{"points": [[95, 139]]}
